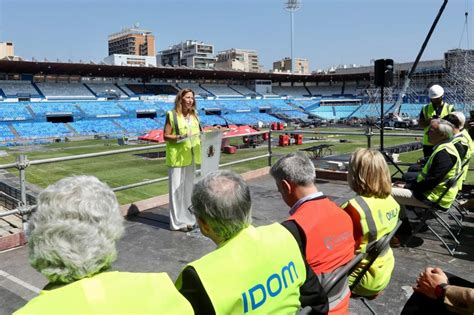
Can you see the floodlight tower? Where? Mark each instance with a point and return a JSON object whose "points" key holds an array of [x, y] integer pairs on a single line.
{"points": [[292, 6]]}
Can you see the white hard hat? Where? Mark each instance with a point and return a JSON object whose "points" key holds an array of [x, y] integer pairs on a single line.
{"points": [[436, 91]]}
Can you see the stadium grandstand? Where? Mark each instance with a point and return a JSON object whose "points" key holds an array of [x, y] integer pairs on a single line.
{"points": [[44, 100]]}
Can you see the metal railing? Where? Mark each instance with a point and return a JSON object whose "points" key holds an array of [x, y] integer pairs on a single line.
{"points": [[23, 163]]}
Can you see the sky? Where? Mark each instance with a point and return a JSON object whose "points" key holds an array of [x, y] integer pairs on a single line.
{"points": [[326, 32]]}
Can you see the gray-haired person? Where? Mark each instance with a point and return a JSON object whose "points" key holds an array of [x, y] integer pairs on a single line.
{"points": [[253, 269], [72, 243], [443, 164], [315, 222]]}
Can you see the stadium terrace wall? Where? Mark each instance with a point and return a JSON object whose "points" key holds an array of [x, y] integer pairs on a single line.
{"points": [[147, 73]]}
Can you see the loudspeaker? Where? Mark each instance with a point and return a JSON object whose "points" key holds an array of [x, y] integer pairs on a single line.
{"points": [[383, 70]]}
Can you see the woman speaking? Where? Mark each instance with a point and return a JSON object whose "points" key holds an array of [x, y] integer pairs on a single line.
{"points": [[183, 152]]}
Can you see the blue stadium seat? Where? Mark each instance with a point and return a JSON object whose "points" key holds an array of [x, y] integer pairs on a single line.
{"points": [[28, 130]]}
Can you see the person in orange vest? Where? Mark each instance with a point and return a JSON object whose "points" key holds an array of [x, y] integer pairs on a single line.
{"points": [[322, 229], [72, 243]]}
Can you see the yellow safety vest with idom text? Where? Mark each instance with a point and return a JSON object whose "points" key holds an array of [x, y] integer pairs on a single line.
{"points": [[263, 269]]}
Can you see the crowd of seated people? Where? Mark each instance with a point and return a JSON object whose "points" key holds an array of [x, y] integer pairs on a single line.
{"points": [[76, 225], [77, 222]]}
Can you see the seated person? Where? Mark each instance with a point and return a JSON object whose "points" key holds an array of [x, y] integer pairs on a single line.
{"points": [[374, 214], [439, 293], [72, 243], [322, 229], [254, 269], [443, 164], [464, 131], [461, 140]]}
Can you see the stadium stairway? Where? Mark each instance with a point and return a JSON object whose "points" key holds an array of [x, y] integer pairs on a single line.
{"points": [[119, 126], [123, 108], [207, 90], [90, 90], [13, 130], [234, 90], [68, 126], [30, 110], [83, 113], [38, 89], [125, 92]]}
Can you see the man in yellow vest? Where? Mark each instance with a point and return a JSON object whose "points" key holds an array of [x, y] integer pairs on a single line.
{"points": [[436, 109], [254, 270], [72, 243], [462, 141], [443, 164]]}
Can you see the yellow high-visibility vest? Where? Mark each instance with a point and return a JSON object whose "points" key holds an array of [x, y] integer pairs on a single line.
{"points": [[112, 293], [429, 111], [378, 217], [181, 154], [259, 271], [436, 192]]}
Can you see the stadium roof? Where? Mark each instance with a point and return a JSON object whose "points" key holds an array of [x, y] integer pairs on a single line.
{"points": [[101, 70]]}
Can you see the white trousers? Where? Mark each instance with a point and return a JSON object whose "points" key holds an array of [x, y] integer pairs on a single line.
{"points": [[181, 182], [405, 197]]}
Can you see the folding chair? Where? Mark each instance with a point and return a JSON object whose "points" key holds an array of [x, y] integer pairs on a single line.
{"points": [[433, 211], [332, 282], [457, 205], [372, 254], [340, 274]]}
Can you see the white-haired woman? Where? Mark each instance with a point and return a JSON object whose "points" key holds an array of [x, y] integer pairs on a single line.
{"points": [[72, 243]]}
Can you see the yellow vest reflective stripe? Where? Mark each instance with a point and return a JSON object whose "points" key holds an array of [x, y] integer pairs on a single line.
{"points": [[181, 154], [461, 138], [112, 293], [436, 192], [428, 112], [378, 217], [259, 271], [466, 135], [468, 140]]}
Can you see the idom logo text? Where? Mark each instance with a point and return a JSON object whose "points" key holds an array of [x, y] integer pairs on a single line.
{"points": [[259, 294]]}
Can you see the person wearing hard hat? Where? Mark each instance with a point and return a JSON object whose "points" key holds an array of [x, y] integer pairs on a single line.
{"points": [[434, 110]]}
